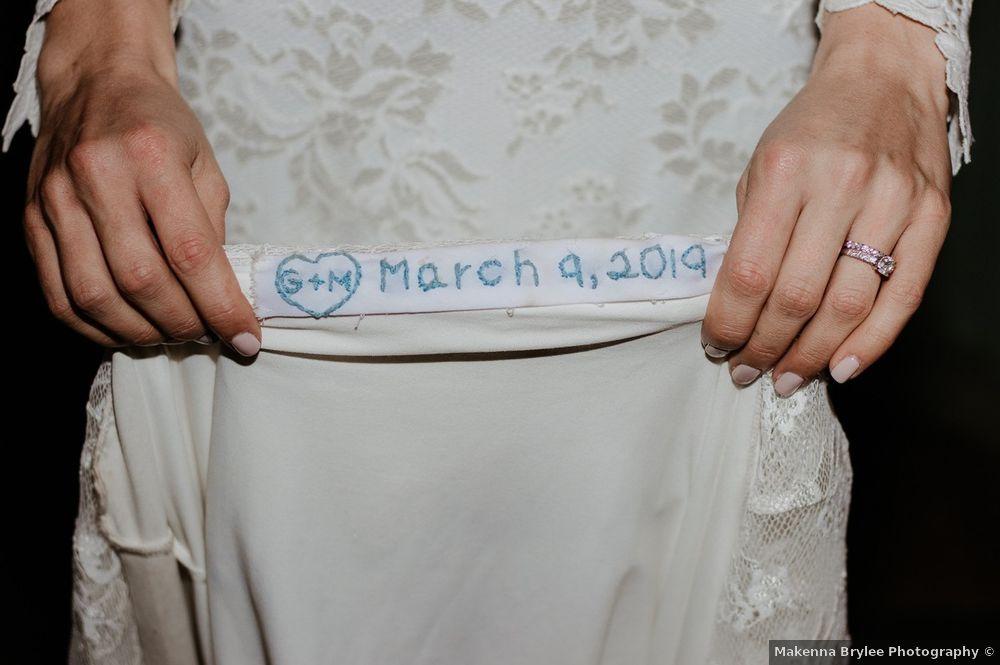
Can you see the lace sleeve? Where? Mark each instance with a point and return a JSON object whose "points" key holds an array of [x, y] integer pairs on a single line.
{"points": [[950, 18], [25, 107]]}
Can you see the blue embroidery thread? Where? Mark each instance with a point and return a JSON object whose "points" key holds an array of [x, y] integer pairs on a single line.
{"points": [[435, 283], [459, 271], [288, 282], [289, 277], [488, 264], [642, 261], [517, 268], [316, 281], [697, 266], [344, 280], [384, 266], [626, 271], [577, 273]]}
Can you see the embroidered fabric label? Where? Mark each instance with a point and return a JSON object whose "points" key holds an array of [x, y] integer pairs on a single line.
{"points": [[483, 276]]}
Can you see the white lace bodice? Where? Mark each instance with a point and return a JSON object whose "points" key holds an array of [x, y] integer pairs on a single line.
{"points": [[416, 120], [350, 122]]}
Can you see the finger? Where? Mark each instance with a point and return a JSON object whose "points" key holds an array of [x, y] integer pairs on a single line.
{"points": [[42, 248], [798, 290], [750, 267], [741, 190], [213, 191], [85, 274], [852, 289], [195, 255], [134, 259], [897, 300], [847, 302]]}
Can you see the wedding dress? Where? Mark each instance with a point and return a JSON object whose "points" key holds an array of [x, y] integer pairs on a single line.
{"points": [[453, 449]]}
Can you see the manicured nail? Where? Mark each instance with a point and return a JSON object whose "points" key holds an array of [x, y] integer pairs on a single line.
{"points": [[714, 351], [845, 369], [745, 374], [787, 384], [204, 339], [246, 344]]}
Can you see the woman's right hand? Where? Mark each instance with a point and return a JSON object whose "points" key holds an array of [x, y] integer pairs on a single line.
{"points": [[125, 218]]}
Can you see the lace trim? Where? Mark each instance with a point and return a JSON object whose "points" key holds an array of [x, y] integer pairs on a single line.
{"points": [[104, 628], [787, 577], [26, 107], [950, 18]]}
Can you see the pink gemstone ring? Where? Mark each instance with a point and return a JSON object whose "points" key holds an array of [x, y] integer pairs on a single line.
{"points": [[881, 262]]}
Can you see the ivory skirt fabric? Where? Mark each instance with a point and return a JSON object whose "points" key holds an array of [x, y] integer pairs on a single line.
{"points": [[485, 481]]}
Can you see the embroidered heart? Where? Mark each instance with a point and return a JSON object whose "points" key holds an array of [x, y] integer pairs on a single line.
{"points": [[317, 286]]}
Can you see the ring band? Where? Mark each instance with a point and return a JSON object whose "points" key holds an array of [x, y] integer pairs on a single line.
{"points": [[881, 262]]}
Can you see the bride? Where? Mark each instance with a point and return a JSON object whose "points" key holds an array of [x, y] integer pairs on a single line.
{"points": [[536, 467]]}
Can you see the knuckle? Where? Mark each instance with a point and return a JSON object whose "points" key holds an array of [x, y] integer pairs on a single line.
{"points": [[725, 333], [897, 184], [147, 337], [142, 279], [849, 303], [191, 253], [224, 193], [186, 328], [935, 206], [852, 169], [810, 356], [749, 278], [796, 299], [148, 143], [61, 309], [33, 212], [224, 314], [89, 157], [35, 231], [92, 296], [781, 160], [767, 347], [905, 293], [741, 190], [55, 191]]}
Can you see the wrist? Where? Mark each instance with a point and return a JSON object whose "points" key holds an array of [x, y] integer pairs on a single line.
{"points": [[889, 50], [86, 38]]}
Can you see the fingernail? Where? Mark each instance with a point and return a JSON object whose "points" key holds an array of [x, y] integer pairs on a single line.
{"points": [[204, 339], [845, 369], [787, 384], [745, 374], [714, 351], [246, 344]]}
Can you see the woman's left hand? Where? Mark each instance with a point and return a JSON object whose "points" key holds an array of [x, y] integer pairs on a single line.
{"points": [[861, 153]]}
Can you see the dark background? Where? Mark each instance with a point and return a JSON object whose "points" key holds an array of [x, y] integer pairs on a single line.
{"points": [[924, 555]]}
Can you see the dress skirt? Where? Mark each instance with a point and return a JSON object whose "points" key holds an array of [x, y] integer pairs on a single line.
{"points": [[565, 482]]}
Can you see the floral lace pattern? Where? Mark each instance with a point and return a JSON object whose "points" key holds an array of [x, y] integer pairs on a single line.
{"points": [[340, 122], [788, 574], [362, 113], [104, 628]]}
